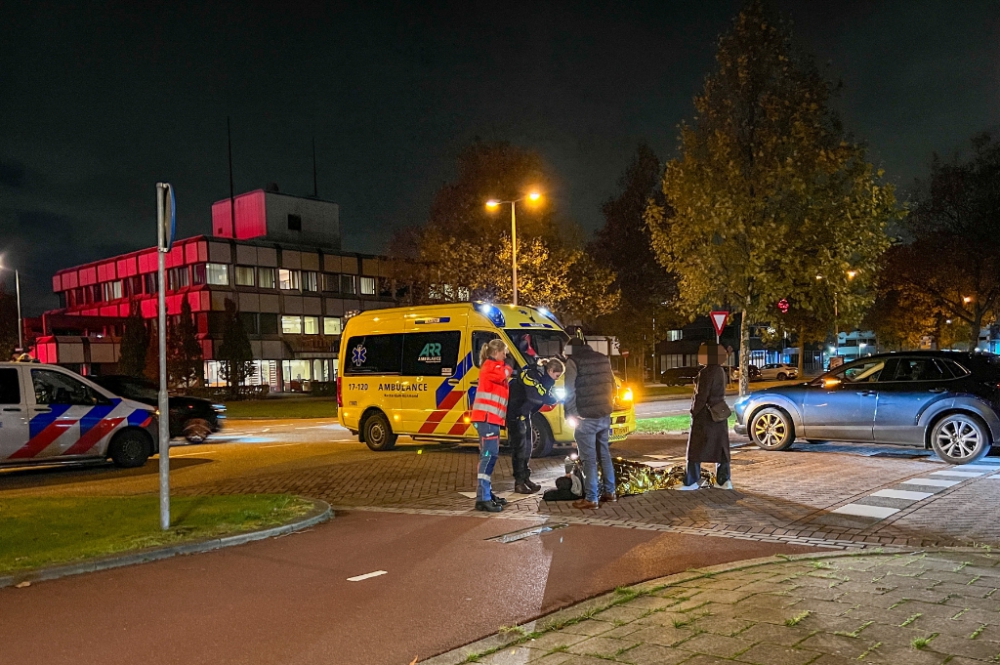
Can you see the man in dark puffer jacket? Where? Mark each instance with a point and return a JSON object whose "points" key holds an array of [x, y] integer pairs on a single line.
{"points": [[590, 391]]}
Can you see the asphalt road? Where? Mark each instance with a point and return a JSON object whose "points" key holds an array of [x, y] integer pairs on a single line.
{"points": [[289, 600]]}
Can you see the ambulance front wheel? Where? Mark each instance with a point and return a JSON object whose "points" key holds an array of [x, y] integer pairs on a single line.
{"points": [[543, 439], [130, 448], [378, 433]]}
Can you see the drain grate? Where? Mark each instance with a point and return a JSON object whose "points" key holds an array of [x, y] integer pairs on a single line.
{"points": [[521, 534]]}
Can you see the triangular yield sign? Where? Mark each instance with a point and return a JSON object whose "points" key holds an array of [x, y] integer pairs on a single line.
{"points": [[719, 321]]}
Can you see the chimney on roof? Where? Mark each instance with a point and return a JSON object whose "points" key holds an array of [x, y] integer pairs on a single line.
{"points": [[272, 188]]}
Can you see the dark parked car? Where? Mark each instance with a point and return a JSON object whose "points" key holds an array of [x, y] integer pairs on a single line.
{"points": [[194, 418], [943, 400], [679, 376]]}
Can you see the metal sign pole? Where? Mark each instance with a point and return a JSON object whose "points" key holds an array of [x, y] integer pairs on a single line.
{"points": [[163, 417]]}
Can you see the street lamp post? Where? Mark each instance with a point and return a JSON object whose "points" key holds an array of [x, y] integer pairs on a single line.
{"points": [[493, 203], [20, 323], [851, 274]]}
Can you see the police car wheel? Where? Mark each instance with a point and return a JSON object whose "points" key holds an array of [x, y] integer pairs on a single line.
{"points": [[196, 430], [130, 448], [378, 434], [542, 434]]}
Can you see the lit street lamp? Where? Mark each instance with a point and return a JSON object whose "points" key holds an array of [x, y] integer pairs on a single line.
{"points": [[492, 204], [851, 274], [20, 326]]}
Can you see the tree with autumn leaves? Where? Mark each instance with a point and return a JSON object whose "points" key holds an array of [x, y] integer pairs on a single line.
{"points": [[768, 191], [463, 252]]}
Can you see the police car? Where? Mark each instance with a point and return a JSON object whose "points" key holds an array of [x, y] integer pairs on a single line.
{"points": [[49, 414]]}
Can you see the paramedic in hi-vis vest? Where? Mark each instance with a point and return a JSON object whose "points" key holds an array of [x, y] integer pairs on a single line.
{"points": [[489, 413]]}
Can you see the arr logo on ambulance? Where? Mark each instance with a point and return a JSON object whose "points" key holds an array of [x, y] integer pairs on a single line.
{"points": [[430, 354]]}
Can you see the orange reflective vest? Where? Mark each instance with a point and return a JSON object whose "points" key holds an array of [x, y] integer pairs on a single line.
{"points": [[491, 395]]}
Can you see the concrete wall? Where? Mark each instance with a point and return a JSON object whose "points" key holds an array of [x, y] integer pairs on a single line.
{"points": [[320, 221]]}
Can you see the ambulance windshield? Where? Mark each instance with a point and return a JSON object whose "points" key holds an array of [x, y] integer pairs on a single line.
{"points": [[537, 344]]}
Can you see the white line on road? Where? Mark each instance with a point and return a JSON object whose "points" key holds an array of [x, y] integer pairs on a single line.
{"points": [[903, 494], [959, 474], [861, 510], [366, 576]]}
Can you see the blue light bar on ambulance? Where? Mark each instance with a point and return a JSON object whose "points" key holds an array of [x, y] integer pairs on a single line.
{"points": [[493, 314]]}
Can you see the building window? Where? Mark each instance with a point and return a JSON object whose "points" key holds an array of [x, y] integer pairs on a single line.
{"points": [[244, 276], [97, 293], [150, 279], [249, 321], [294, 222], [675, 335], [177, 278], [331, 282], [347, 284], [332, 325], [310, 281], [265, 278], [288, 280], [198, 273], [311, 325], [367, 286], [218, 274], [291, 325], [268, 324], [112, 290]]}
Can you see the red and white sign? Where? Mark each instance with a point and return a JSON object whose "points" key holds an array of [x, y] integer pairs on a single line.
{"points": [[625, 354], [719, 320]]}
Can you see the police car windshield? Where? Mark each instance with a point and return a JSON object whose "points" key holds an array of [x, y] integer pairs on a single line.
{"points": [[536, 344]]}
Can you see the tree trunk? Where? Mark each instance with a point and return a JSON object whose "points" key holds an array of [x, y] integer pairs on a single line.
{"points": [[744, 354], [802, 355], [976, 326]]}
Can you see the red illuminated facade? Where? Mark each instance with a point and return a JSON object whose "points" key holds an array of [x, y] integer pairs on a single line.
{"points": [[282, 266]]}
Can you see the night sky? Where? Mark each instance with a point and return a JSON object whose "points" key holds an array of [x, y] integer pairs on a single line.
{"points": [[96, 107]]}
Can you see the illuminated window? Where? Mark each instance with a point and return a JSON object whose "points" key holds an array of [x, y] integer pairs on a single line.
{"points": [[112, 290], [311, 325], [367, 286], [675, 335], [245, 275], [310, 281], [265, 278], [289, 280], [332, 325], [291, 325], [217, 273]]}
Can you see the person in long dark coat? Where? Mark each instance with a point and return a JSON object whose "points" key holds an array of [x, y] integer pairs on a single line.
{"points": [[708, 440]]}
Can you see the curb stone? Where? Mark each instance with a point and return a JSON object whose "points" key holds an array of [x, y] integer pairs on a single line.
{"points": [[496, 640], [320, 513]]}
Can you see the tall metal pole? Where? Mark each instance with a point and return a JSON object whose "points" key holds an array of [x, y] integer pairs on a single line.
{"points": [[20, 324], [163, 417], [513, 247]]}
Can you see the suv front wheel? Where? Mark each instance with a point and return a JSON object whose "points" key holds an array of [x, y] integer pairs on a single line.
{"points": [[771, 429]]}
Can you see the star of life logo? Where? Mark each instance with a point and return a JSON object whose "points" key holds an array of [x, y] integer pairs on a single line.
{"points": [[359, 355]]}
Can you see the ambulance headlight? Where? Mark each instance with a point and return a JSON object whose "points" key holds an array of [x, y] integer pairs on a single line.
{"points": [[560, 393]]}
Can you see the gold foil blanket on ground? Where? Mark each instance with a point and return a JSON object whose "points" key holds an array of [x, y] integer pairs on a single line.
{"points": [[633, 477]]}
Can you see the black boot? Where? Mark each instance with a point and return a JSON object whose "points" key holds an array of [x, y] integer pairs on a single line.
{"points": [[534, 487], [488, 506], [525, 488], [500, 501]]}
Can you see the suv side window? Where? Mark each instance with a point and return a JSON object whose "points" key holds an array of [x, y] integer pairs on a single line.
{"points": [[58, 388], [917, 369], [10, 386], [956, 370], [865, 372]]}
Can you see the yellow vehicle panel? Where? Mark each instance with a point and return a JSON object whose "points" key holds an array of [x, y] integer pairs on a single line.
{"points": [[430, 395]]}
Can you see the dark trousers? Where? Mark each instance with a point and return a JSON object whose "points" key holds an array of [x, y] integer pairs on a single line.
{"points": [[521, 438], [693, 473]]}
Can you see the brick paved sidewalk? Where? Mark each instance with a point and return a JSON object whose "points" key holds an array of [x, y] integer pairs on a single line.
{"points": [[916, 608]]}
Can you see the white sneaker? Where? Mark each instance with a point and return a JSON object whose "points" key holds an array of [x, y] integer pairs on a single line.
{"points": [[687, 488], [728, 485]]}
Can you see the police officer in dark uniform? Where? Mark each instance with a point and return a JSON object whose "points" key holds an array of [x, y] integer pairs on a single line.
{"points": [[529, 392]]}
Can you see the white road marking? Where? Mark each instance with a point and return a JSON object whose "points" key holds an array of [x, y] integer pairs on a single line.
{"points": [[861, 510], [903, 494], [984, 468], [200, 452], [931, 482], [366, 576], [959, 474]]}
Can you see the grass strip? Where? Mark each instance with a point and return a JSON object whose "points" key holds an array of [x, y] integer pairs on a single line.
{"points": [[284, 407], [668, 424], [48, 531]]}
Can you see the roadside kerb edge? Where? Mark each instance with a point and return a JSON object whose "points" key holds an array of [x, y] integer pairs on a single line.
{"points": [[320, 513]]}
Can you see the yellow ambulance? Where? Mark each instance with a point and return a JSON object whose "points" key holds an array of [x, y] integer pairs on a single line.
{"points": [[414, 370]]}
